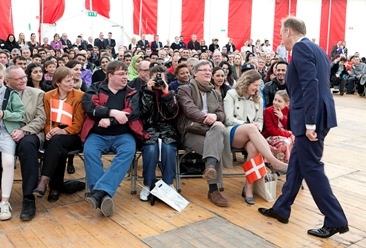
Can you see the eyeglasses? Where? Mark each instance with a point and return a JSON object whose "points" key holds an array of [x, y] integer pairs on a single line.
{"points": [[19, 78], [120, 74], [205, 70]]}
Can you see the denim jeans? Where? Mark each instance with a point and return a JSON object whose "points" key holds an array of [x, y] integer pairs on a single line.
{"points": [[150, 157], [122, 145], [351, 84]]}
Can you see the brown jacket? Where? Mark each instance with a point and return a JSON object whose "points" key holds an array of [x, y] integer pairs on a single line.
{"points": [[189, 110], [73, 98]]}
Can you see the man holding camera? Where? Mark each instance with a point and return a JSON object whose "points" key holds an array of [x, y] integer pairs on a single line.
{"points": [[158, 110]]}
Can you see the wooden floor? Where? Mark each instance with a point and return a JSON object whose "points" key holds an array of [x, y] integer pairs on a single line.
{"points": [[71, 223]]}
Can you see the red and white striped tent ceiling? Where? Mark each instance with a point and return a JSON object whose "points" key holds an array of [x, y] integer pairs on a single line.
{"points": [[327, 20]]}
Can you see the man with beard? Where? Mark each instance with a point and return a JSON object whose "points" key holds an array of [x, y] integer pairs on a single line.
{"points": [[277, 83]]}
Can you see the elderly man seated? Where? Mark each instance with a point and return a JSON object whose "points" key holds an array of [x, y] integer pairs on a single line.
{"points": [[200, 124]]}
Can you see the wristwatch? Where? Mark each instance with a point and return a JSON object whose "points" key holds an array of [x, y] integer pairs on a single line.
{"points": [[26, 132]]}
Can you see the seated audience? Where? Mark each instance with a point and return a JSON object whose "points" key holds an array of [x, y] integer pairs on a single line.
{"points": [[182, 74], [158, 110], [218, 81], [276, 132], [132, 68], [99, 75], [62, 131], [338, 75], [244, 119], [11, 118], [113, 113], [35, 77], [201, 106]]}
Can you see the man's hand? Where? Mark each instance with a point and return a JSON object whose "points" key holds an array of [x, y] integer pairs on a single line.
{"points": [[311, 134], [120, 116], [210, 119], [105, 122], [17, 135]]}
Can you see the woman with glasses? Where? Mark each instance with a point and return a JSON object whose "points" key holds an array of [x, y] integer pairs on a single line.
{"points": [[62, 131]]}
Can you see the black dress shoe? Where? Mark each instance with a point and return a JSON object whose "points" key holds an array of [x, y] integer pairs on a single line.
{"points": [[53, 197], [326, 232], [249, 200], [28, 209], [38, 192], [70, 169], [270, 213]]}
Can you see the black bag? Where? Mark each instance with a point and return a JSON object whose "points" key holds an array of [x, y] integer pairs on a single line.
{"points": [[192, 164]]}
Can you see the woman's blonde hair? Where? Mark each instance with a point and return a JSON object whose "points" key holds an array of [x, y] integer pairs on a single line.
{"points": [[245, 80], [284, 95]]}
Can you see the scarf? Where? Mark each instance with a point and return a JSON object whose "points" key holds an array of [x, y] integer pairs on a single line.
{"points": [[212, 99], [132, 72]]}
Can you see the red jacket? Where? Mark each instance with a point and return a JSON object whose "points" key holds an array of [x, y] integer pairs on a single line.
{"points": [[271, 123]]}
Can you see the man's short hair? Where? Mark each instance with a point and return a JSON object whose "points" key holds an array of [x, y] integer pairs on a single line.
{"points": [[199, 64], [281, 63], [114, 66], [18, 58], [295, 24]]}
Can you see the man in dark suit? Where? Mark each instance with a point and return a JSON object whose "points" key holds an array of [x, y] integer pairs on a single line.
{"points": [[143, 43], [109, 42], [312, 114], [99, 42], [193, 44], [66, 43], [156, 44]]}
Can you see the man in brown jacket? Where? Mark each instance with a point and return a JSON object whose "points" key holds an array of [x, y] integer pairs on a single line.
{"points": [[201, 127]]}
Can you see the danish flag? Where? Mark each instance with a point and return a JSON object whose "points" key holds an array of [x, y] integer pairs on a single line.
{"points": [[61, 112], [254, 169]]}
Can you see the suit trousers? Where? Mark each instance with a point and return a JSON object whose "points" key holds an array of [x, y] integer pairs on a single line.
{"points": [[28, 156], [305, 163], [211, 145]]}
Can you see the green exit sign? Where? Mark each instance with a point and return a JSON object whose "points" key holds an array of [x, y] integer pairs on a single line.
{"points": [[92, 13]]}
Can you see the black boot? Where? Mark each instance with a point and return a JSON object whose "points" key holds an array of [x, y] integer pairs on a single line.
{"points": [[28, 209]]}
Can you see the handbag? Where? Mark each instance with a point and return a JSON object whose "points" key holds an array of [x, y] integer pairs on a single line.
{"points": [[266, 187], [197, 128]]}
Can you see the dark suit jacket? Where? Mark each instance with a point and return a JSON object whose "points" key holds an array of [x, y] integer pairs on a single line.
{"points": [[66, 43], [194, 45], [99, 43], [154, 45], [307, 81], [112, 44], [143, 44]]}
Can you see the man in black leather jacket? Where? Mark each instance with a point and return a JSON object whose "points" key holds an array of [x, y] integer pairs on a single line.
{"points": [[158, 108], [278, 83]]}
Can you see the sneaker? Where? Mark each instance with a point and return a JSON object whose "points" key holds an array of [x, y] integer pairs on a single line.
{"points": [[144, 194], [107, 206], [5, 213]]}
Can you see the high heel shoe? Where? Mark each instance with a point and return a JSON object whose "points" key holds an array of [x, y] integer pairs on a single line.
{"points": [[249, 200], [39, 192], [282, 171]]}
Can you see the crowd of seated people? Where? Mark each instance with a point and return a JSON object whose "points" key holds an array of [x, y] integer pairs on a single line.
{"points": [[141, 93]]}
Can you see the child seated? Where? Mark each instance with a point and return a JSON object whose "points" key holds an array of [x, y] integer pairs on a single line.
{"points": [[276, 132], [50, 68]]}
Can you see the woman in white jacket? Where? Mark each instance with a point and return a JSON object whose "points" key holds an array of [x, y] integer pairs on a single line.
{"points": [[243, 108]]}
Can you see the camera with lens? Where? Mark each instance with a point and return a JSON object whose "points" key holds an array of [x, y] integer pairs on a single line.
{"points": [[158, 80]]}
